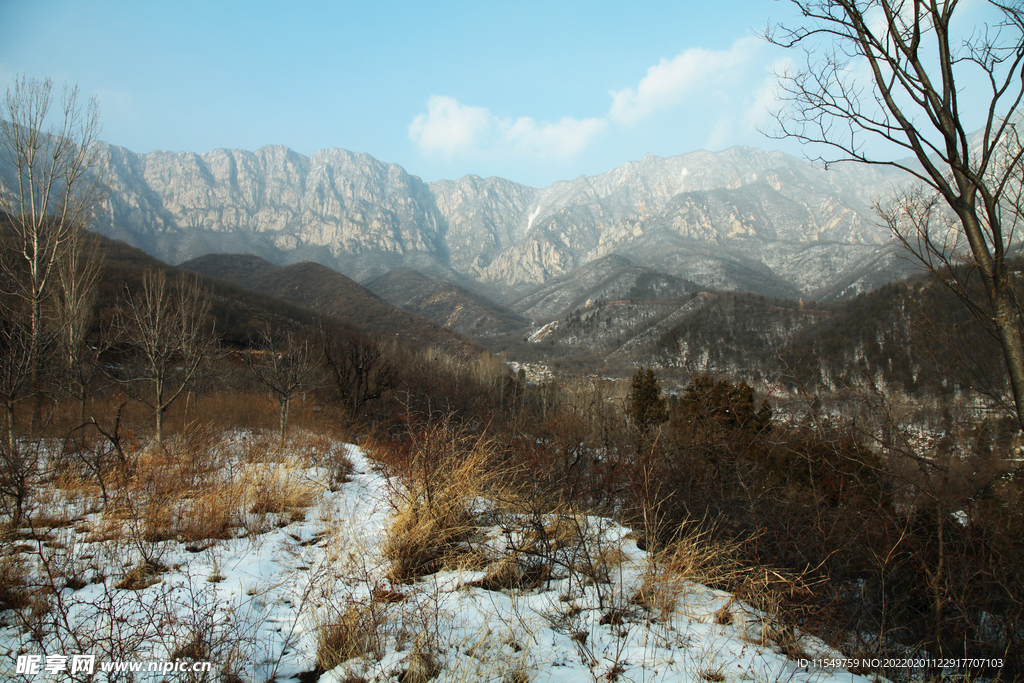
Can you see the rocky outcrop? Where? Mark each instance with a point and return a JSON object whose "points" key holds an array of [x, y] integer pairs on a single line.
{"points": [[343, 209], [742, 218], [739, 202]]}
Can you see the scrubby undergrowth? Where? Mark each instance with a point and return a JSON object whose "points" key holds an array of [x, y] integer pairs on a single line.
{"points": [[225, 548]]}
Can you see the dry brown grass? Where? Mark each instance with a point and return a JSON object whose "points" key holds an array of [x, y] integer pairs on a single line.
{"points": [[420, 666], [537, 546], [761, 601], [440, 478], [301, 449], [327, 420], [694, 556], [14, 590], [385, 594], [179, 490], [141, 576], [220, 410], [427, 534], [713, 674], [280, 488], [192, 487], [228, 411], [356, 630], [198, 486], [211, 513]]}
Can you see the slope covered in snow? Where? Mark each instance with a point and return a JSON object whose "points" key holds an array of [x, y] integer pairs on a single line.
{"points": [[301, 596]]}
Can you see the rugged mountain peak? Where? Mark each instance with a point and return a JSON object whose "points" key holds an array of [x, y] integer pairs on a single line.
{"points": [[338, 207], [739, 218]]}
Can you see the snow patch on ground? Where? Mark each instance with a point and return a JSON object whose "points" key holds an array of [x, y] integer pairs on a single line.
{"points": [[258, 604]]}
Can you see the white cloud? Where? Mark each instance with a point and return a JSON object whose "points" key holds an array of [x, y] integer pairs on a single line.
{"points": [[669, 82], [729, 92], [450, 128], [563, 139], [904, 17]]}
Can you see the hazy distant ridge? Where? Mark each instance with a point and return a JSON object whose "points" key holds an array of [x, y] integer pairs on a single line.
{"points": [[738, 219]]}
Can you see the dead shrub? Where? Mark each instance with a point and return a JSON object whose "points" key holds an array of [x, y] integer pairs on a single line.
{"points": [[420, 666], [356, 631], [278, 488], [14, 591], [442, 472], [141, 576]]}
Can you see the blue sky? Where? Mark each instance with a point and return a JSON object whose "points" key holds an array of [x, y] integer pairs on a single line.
{"points": [[531, 91]]}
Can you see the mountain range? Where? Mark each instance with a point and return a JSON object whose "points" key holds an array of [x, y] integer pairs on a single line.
{"points": [[740, 219], [612, 311]]}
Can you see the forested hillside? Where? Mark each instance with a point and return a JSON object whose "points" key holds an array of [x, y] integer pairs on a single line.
{"points": [[915, 336]]}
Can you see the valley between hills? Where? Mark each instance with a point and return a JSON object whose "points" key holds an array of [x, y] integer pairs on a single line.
{"points": [[494, 261], [692, 419], [725, 416]]}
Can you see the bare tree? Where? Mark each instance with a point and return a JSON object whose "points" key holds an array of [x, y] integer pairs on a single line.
{"points": [[359, 366], [49, 195], [918, 62], [17, 460], [285, 366], [166, 322], [75, 301], [50, 187]]}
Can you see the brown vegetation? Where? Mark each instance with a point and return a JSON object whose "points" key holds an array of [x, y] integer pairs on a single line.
{"points": [[848, 527]]}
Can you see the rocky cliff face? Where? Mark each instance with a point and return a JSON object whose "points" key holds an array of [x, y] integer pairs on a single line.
{"points": [[342, 209], [742, 218], [699, 215]]}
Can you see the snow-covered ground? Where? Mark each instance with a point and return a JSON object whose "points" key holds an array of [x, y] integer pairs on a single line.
{"points": [[257, 606]]}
